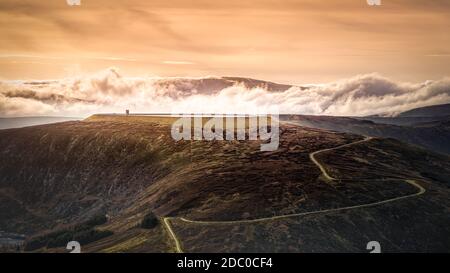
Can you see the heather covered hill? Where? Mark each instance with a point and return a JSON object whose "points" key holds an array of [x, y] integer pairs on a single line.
{"points": [[377, 168], [75, 169], [54, 178]]}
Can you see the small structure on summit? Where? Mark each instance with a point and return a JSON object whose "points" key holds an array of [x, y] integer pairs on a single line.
{"points": [[127, 112]]}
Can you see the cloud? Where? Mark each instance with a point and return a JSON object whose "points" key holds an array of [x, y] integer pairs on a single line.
{"points": [[373, 94], [108, 91], [178, 62]]}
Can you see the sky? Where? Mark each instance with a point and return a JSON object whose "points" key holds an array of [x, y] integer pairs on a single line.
{"points": [[296, 42]]}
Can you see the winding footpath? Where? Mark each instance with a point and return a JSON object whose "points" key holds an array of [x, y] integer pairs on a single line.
{"points": [[312, 156], [169, 229]]}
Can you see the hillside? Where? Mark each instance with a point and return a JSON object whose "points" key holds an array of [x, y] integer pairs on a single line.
{"points": [[432, 134], [18, 122], [58, 175], [442, 110]]}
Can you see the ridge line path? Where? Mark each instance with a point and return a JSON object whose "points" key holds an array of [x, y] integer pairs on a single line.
{"points": [[312, 155]]}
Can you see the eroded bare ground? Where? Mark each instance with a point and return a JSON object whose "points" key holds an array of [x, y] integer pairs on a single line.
{"points": [[56, 175]]}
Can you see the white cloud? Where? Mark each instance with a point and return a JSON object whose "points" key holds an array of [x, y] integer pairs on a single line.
{"points": [[108, 91]]}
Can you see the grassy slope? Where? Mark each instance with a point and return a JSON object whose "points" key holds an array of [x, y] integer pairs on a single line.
{"points": [[63, 173]]}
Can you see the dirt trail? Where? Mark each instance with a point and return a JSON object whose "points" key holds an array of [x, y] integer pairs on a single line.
{"points": [[421, 190]]}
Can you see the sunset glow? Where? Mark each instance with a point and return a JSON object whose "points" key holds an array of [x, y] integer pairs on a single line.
{"points": [[299, 42]]}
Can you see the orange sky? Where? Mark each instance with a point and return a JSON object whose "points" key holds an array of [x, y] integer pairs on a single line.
{"points": [[301, 41]]}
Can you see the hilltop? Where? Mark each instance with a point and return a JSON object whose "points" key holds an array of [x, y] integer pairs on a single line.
{"points": [[58, 175]]}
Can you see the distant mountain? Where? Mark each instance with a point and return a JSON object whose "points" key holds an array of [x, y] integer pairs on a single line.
{"points": [[429, 111], [215, 84], [433, 135], [435, 113], [428, 127], [252, 83], [404, 121], [18, 122]]}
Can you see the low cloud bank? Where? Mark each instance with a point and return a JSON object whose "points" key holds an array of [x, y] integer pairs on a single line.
{"points": [[108, 92]]}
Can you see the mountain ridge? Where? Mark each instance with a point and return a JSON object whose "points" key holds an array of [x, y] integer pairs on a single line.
{"points": [[76, 170]]}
